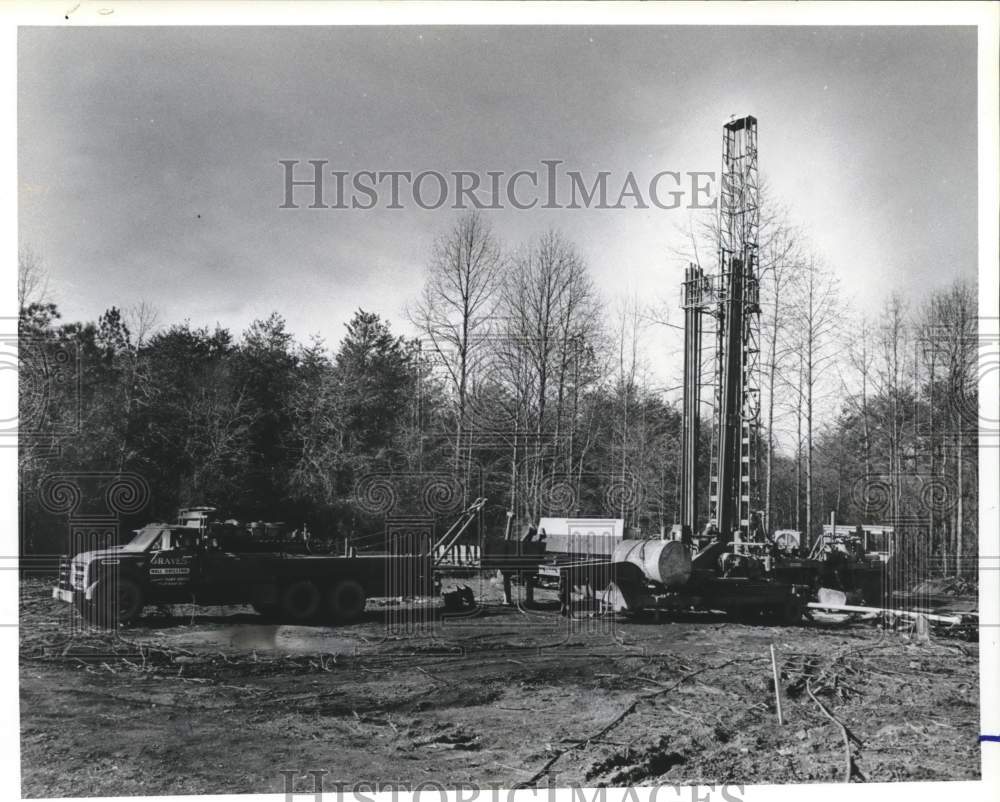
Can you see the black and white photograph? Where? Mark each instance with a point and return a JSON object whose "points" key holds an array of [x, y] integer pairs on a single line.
{"points": [[487, 401]]}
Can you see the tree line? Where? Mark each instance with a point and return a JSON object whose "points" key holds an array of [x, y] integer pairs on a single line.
{"points": [[522, 384]]}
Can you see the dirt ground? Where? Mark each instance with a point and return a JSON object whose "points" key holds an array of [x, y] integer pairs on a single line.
{"points": [[211, 700]]}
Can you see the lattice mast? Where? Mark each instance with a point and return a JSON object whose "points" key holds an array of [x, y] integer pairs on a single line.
{"points": [[733, 486]]}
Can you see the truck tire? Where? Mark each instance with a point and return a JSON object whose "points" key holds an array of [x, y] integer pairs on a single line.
{"points": [[113, 603], [345, 601], [300, 601]]}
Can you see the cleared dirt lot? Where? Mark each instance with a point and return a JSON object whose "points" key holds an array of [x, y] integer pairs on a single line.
{"points": [[213, 701]]}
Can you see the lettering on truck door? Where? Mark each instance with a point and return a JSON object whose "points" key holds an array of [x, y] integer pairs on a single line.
{"points": [[171, 563]]}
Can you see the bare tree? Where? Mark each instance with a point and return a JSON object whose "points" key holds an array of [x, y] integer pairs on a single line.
{"points": [[546, 307], [629, 331], [817, 319], [948, 323], [859, 355], [141, 322], [893, 392], [32, 278], [780, 257], [455, 309], [799, 397]]}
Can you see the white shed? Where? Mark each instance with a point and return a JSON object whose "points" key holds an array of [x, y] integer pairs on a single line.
{"points": [[583, 536]]}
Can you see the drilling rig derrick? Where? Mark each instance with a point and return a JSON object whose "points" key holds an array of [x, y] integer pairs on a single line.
{"points": [[732, 298]]}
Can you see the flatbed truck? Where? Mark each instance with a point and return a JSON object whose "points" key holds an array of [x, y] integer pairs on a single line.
{"points": [[166, 564]]}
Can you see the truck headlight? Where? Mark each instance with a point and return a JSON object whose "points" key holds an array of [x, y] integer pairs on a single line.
{"points": [[78, 575]]}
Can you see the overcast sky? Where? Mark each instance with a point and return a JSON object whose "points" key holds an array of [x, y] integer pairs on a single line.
{"points": [[148, 158]]}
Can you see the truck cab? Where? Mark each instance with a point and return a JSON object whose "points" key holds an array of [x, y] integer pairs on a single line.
{"points": [[158, 565]]}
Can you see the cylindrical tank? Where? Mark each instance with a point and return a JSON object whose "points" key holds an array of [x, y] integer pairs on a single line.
{"points": [[665, 561]]}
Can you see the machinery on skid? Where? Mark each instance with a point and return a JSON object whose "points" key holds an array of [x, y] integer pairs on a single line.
{"points": [[731, 565]]}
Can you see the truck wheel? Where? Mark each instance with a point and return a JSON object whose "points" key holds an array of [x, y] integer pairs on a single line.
{"points": [[300, 601], [345, 601], [113, 602]]}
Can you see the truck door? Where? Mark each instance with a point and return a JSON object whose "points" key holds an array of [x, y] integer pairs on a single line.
{"points": [[171, 567]]}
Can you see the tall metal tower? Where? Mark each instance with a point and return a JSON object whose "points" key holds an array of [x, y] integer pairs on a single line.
{"points": [[696, 298], [734, 463]]}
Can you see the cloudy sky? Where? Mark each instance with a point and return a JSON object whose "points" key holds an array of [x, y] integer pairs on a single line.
{"points": [[149, 158]]}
